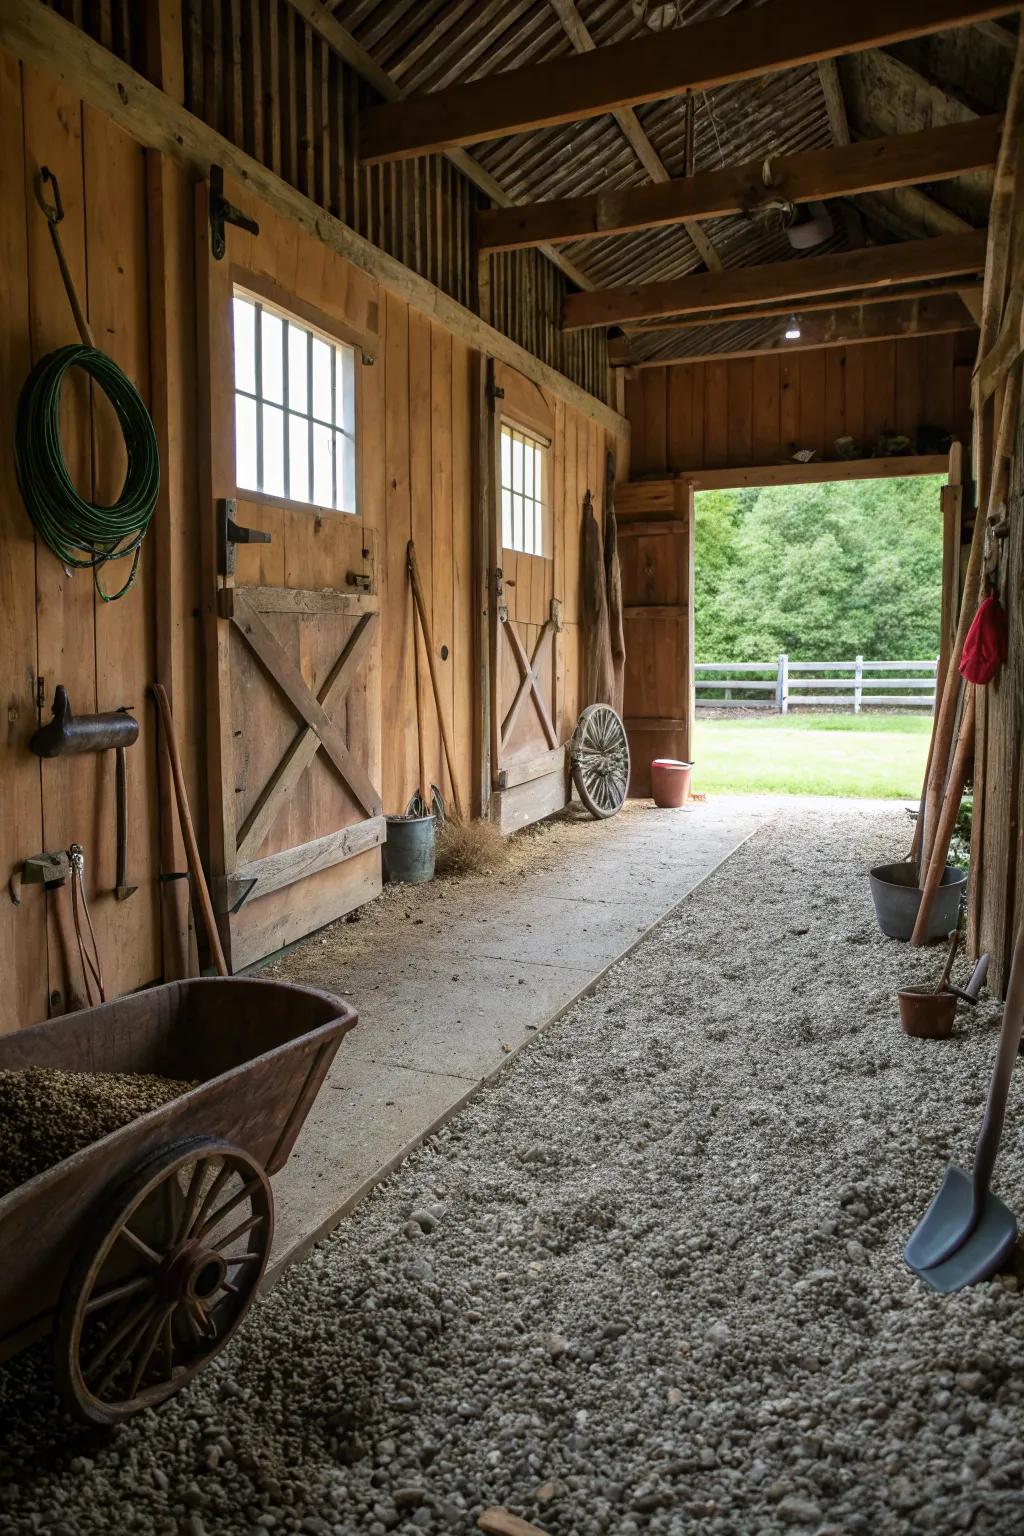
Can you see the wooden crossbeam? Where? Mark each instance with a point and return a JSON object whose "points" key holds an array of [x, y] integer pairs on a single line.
{"points": [[831, 328], [320, 731], [529, 681], [968, 292], [935, 154], [739, 46], [876, 267]]}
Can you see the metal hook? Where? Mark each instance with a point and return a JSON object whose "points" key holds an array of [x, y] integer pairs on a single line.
{"points": [[54, 211]]}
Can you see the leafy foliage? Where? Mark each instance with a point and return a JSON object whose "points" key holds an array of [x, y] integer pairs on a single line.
{"points": [[820, 571]]}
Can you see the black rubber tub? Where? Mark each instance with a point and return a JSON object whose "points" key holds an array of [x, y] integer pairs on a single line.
{"points": [[895, 894]]}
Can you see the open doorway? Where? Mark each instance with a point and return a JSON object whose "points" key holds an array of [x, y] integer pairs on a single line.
{"points": [[818, 619]]}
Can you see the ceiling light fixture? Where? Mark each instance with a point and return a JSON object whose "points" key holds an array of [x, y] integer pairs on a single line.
{"points": [[793, 329]]}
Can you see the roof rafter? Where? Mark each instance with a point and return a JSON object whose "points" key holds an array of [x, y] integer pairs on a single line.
{"points": [[739, 46], [834, 301], [875, 267], [316, 14], [633, 130], [930, 155]]}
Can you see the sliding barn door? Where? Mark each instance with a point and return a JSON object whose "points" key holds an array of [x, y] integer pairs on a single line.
{"points": [[656, 555], [528, 758], [293, 627]]}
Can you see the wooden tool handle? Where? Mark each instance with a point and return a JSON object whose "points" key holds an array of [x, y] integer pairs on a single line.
{"points": [[195, 866], [999, 1089], [428, 646]]}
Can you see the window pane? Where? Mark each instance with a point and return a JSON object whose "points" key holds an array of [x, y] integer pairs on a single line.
{"points": [[506, 518], [245, 345], [298, 365], [346, 403], [272, 337], [538, 536], [538, 474], [528, 526], [506, 457], [245, 444], [273, 450], [323, 465], [528, 457], [517, 462], [298, 460], [517, 521], [322, 370], [345, 457]]}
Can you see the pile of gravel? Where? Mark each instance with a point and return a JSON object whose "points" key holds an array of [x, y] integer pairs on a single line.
{"points": [[650, 1282], [46, 1114]]}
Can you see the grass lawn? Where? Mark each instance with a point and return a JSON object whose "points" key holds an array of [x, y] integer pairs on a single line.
{"points": [[872, 756]]}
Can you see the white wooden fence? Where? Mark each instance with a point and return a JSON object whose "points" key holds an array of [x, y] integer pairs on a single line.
{"points": [[781, 684]]}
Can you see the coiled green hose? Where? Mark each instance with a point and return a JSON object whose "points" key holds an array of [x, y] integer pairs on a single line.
{"points": [[80, 533]]}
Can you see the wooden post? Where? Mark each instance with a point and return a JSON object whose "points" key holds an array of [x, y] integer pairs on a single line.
{"points": [[782, 685], [858, 682], [171, 325]]}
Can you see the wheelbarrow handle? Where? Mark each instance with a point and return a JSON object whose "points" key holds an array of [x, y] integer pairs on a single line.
{"points": [[969, 994]]}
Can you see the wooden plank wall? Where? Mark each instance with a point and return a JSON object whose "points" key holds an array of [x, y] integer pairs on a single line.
{"points": [[761, 410], [262, 77], [418, 417]]}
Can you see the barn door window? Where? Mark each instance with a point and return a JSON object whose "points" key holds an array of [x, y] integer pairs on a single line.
{"points": [[524, 491], [295, 409]]}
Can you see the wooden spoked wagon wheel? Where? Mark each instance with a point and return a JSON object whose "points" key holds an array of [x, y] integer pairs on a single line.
{"points": [[599, 753], [168, 1275]]}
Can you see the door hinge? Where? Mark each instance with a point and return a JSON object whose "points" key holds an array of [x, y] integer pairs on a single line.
{"points": [[222, 212]]}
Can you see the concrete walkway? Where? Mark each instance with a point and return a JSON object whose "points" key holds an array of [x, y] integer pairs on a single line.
{"points": [[450, 980]]}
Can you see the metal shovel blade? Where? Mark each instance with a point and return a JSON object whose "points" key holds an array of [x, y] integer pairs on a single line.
{"points": [[945, 1225], [981, 1252]]}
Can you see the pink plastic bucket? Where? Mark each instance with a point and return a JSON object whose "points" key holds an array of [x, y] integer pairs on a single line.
{"points": [[670, 782]]}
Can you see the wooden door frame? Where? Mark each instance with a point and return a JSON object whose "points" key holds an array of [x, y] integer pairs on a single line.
{"points": [[540, 783], [236, 872]]}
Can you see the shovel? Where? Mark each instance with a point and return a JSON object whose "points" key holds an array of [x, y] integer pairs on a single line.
{"points": [[967, 1232]]}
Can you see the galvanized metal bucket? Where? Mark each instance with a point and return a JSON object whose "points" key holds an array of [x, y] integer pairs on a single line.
{"points": [[410, 848], [896, 896]]}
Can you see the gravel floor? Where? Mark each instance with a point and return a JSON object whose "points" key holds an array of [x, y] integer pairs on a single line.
{"points": [[651, 1282]]}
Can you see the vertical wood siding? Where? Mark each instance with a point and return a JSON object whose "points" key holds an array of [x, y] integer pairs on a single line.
{"points": [[761, 410]]}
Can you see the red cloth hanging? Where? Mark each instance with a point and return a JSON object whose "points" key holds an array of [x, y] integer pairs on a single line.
{"points": [[986, 644]]}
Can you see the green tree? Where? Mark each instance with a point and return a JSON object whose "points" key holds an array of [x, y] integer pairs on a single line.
{"points": [[820, 571]]}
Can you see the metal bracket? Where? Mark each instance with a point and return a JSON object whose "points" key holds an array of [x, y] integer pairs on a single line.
{"points": [[222, 212], [230, 533], [494, 391], [46, 869], [359, 579]]}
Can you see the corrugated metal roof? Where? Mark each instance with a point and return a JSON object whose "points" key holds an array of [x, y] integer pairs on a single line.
{"points": [[426, 45]]}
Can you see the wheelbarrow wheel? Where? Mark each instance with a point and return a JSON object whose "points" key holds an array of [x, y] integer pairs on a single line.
{"points": [[170, 1270], [599, 754]]}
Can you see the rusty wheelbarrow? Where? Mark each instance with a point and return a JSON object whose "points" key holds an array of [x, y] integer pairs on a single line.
{"points": [[142, 1252]]}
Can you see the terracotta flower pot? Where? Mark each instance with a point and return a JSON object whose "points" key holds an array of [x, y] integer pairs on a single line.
{"points": [[670, 782]]}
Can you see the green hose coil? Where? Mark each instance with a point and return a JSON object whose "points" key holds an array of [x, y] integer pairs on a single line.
{"points": [[80, 533]]}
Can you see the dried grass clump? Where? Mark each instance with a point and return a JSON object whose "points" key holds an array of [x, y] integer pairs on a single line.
{"points": [[470, 848]]}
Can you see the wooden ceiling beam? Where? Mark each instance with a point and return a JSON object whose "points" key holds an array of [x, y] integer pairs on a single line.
{"points": [[739, 46], [633, 131], [878, 266], [933, 154], [968, 292], [887, 321]]}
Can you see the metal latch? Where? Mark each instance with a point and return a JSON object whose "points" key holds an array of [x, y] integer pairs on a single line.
{"points": [[360, 579], [222, 212], [230, 533]]}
